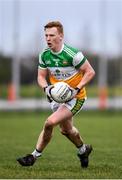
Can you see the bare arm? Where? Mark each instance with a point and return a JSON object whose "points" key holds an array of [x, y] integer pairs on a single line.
{"points": [[88, 74], [41, 78]]}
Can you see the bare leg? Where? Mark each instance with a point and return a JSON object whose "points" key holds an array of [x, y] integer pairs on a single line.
{"points": [[71, 132], [44, 138], [61, 115]]}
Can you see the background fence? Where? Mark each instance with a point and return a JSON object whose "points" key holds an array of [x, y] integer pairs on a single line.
{"points": [[95, 28]]}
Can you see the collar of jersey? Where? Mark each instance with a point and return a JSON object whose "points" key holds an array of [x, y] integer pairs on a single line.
{"points": [[58, 51]]}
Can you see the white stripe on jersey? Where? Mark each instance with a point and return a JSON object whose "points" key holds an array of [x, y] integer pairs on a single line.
{"points": [[68, 49], [71, 53], [64, 72]]}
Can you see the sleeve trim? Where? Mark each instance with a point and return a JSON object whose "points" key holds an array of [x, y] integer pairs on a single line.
{"points": [[82, 62], [40, 67]]}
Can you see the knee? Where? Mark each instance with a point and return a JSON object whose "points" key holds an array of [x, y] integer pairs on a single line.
{"points": [[48, 124]]}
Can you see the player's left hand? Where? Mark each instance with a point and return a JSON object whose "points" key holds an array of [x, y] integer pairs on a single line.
{"points": [[75, 91]]}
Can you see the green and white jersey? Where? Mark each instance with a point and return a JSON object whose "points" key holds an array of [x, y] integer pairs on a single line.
{"points": [[62, 65]]}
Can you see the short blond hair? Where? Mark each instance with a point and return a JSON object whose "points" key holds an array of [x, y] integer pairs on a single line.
{"points": [[56, 24]]}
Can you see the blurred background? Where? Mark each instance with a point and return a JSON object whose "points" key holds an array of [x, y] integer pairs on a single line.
{"points": [[92, 26], [95, 28]]}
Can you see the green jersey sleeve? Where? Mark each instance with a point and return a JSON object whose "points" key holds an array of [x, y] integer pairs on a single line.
{"points": [[42, 64], [78, 60]]}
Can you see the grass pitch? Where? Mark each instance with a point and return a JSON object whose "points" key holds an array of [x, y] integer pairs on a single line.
{"points": [[19, 132]]}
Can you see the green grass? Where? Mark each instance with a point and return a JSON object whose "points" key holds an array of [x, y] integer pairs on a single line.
{"points": [[19, 132]]}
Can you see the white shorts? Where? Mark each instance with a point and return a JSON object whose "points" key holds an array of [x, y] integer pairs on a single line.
{"points": [[75, 105]]}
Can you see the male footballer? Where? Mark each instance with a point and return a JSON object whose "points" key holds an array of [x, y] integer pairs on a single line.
{"points": [[62, 63]]}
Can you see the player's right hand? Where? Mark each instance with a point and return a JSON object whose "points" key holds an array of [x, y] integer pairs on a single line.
{"points": [[47, 90]]}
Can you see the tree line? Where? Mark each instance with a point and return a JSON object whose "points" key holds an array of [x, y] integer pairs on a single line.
{"points": [[29, 66]]}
